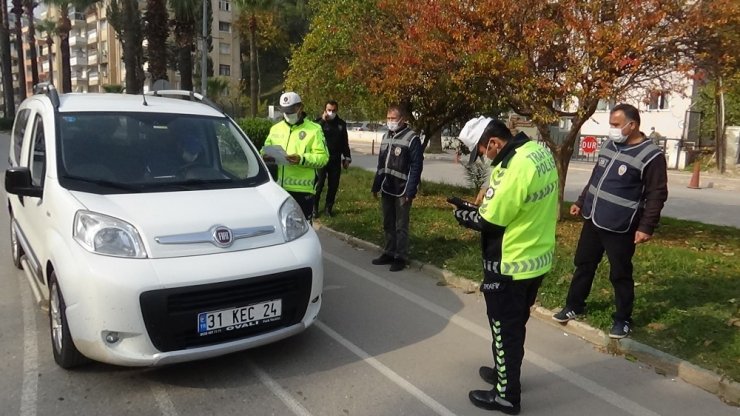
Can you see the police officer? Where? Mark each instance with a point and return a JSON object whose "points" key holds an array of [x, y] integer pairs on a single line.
{"points": [[517, 223], [305, 147], [335, 133], [621, 206], [400, 161]]}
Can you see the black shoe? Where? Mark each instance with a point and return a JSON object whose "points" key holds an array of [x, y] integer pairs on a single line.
{"points": [[620, 329], [329, 212], [566, 315], [383, 259], [488, 375], [398, 265], [487, 399]]}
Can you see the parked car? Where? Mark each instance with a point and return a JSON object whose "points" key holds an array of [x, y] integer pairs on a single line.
{"points": [[151, 228]]}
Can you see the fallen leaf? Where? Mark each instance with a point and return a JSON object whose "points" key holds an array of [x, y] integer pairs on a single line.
{"points": [[733, 322], [708, 342], [656, 326]]}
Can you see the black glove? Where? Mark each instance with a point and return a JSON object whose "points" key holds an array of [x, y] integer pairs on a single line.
{"points": [[468, 217]]}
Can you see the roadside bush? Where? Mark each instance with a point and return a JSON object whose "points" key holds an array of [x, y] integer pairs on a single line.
{"points": [[114, 88], [257, 129], [6, 124]]}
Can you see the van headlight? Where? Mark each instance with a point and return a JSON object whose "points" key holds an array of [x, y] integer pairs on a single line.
{"points": [[109, 236], [292, 220]]}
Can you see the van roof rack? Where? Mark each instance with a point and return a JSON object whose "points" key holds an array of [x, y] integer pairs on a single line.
{"points": [[48, 89], [192, 96]]}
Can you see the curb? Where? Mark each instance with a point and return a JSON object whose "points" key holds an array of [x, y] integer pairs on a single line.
{"points": [[665, 364]]}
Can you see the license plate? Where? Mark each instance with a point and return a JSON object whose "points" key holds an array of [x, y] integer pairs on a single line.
{"points": [[239, 318]]}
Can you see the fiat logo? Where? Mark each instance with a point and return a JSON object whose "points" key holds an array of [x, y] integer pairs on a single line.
{"points": [[222, 236]]}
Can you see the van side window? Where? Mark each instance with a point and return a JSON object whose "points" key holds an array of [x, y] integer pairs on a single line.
{"points": [[37, 154], [19, 130]]}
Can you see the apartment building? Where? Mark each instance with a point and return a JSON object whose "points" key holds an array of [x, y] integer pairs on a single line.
{"points": [[96, 55]]}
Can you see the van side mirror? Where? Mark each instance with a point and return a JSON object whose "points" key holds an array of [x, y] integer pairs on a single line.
{"points": [[18, 182]]}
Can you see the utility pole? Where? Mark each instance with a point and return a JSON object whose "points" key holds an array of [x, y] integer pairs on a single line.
{"points": [[204, 52]]}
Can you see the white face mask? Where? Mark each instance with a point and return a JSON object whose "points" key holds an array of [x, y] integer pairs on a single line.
{"points": [[291, 118], [330, 115], [393, 125], [615, 135]]}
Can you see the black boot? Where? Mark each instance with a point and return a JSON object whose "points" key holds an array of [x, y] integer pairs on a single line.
{"points": [[398, 265], [383, 259], [316, 212], [329, 211], [487, 399]]}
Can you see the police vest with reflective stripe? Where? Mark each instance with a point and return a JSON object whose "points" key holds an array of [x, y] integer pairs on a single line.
{"points": [[397, 153], [614, 195], [305, 139]]}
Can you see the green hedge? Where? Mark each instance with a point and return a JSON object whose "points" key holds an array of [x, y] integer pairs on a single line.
{"points": [[6, 124], [257, 129]]}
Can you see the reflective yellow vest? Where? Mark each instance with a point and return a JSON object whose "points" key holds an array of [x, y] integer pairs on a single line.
{"points": [[306, 140], [523, 199]]}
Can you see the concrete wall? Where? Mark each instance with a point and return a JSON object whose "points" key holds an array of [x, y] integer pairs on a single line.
{"points": [[732, 137]]}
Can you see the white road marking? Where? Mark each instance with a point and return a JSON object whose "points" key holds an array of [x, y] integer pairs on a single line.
{"points": [[556, 369], [165, 405], [29, 391], [387, 372], [278, 391]]}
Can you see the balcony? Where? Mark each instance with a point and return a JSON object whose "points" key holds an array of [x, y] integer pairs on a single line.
{"points": [[77, 20], [94, 78], [45, 67], [103, 57], [92, 36], [77, 40], [78, 60], [92, 59]]}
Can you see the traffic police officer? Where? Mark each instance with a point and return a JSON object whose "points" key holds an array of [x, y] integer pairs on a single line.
{"points": [[517, 223], [303, 142]]}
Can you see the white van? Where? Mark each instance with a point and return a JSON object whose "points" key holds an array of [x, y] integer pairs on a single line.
{"points": [[153, 231]]}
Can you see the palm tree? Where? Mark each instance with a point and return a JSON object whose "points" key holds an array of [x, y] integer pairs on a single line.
{"points": [[17, 10], [185, 35], [125, 17], [156, 31], [48, 27], [5, 64], [29, 6]]}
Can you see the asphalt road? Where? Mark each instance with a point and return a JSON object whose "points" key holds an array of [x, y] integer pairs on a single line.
{"points": [[385, 344]]}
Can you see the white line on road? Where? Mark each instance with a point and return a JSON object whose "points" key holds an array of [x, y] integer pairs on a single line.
{"points": [[387, 372], [584, 383], [165, 405], [29, 391], [278, 391]]}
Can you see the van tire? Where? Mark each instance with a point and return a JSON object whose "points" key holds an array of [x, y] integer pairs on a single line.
{"points": [[16, 250], [66, 354]]}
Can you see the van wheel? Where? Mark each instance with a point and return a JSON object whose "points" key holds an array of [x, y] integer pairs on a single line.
{"points": [[16, 251], [66, 354]]}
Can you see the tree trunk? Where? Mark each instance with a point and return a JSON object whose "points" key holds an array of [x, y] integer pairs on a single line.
{"points": [[253, 65], [719, 128], [434, 144], [185, 64], [132, 48], [5, 64], [30, 5], [63, 30], [18, 11], [50, 58]]}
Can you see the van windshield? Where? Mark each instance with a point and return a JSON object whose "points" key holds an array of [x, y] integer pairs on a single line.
{"points": [[150, 152]]}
